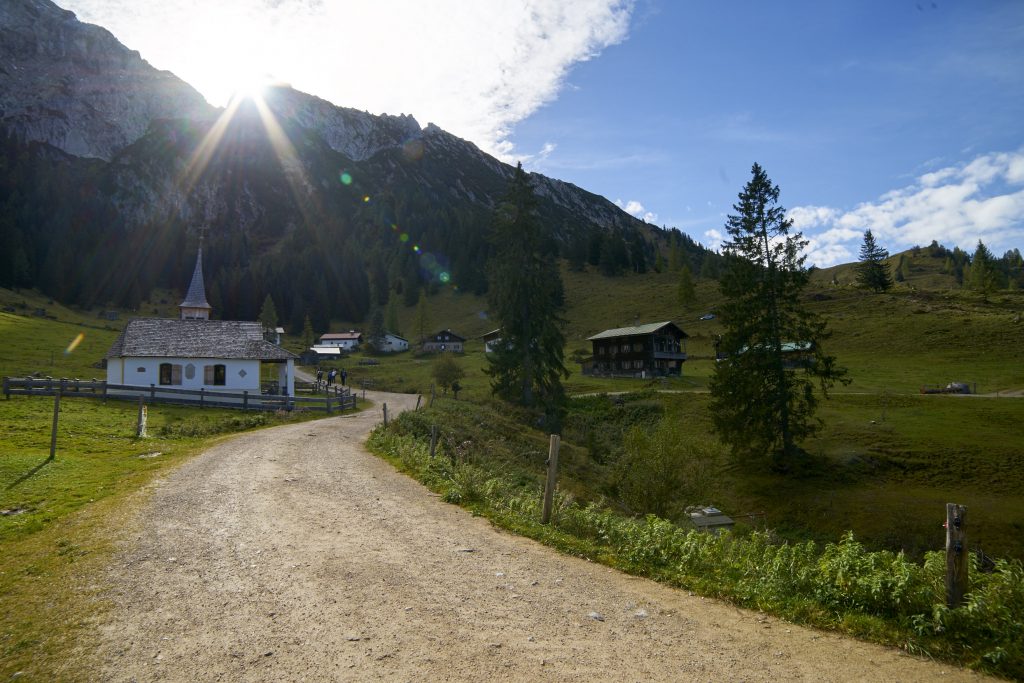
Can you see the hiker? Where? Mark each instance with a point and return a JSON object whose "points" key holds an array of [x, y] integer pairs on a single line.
{"points": [[319, 375], [330, 377], [344, 376]]}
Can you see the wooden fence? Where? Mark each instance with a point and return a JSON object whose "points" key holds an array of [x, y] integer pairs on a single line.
{"points": [[335, 399]]}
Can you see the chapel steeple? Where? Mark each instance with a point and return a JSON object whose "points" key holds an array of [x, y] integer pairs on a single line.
{"points": [[195, 306]]}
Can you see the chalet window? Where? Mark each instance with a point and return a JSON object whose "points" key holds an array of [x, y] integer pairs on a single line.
{"points": [[638, 346], [215, 375], [624, 348], [140, 369], [170, 374]]}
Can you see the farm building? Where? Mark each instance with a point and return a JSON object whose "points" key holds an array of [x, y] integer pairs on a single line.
{"points": [[651, 350], [392, 343], [346, 341], [446, 341]]}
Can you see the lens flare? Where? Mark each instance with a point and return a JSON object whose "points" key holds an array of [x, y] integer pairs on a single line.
{"points": [[366, 199], [346, 179], [444, 277], [404, 237], [74, 343], [416, 248]]}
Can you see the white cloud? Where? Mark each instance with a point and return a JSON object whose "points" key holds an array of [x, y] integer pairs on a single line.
{"points": [[714, 239], [473, 68], [635, 208], [958, 205]]}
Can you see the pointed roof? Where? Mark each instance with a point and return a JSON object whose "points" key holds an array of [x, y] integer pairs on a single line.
{"points": [[196, 295]]}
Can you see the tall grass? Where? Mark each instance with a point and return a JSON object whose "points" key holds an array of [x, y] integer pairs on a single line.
{"points": [[879, 595]]}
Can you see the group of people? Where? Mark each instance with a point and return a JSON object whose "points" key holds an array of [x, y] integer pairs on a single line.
{"points": [[332, 376]]}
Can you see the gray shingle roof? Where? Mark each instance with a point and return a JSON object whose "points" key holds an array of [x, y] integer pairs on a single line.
{"points": [[160, 337], [649, 328]]}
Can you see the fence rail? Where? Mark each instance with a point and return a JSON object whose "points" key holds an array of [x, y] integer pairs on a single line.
{"points": [[337, 399]]}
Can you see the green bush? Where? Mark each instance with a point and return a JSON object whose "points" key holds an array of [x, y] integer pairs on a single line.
{"points": [[877, 595]]}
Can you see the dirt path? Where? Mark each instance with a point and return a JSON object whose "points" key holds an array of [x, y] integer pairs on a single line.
{"points": [[291, 554]]}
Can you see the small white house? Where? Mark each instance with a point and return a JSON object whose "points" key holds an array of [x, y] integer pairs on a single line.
{"points": [[194, 352], [215, 355], [491, 340], [342, 340], [392, 343]]}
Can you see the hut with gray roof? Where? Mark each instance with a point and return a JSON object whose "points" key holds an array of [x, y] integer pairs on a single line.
{"points": [[651, 350]]}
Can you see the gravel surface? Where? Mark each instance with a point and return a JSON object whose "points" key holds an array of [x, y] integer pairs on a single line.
{"points": [[291, 554]]}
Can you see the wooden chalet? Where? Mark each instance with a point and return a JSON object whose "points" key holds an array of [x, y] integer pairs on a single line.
{"points": [[444, 341], [652, 350]]}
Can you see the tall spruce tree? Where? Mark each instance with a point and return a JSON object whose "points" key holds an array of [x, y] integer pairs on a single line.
{"points": [[873, 271], [762, 392], [984, 276], [526, 297]]}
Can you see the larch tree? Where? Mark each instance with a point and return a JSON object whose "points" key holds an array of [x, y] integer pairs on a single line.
{"points": [[526, 297], [873, 271], [762, 392], [268, 315]]}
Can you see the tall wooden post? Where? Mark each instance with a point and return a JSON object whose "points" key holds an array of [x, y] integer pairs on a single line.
{"points": [[140, 423], [385, 414], [956, 554], [549, 486], [7, 388], [433, 440], [419, 397], [245, 400], [53, 432]]}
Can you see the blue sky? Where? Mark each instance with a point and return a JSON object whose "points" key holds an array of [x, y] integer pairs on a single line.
{"points": [[902, 116]]}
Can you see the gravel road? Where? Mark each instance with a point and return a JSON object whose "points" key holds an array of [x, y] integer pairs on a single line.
{"points": [[291, 554]]}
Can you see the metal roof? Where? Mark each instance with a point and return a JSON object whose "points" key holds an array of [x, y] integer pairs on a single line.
{"points": [[341, 335], [649, 328], [160, 337]]}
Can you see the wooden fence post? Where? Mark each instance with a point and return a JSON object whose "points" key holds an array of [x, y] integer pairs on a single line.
{"points": [[419, 397], [549, 486], [327, 400], [53, 432], [202, 397], [245, 400], [433, 393], [7, 388], [956, 554], [385, 414], [140, 424], [152, 393], [433, 440]]}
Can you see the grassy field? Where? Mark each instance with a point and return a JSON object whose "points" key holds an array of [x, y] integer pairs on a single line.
{"points": [[58, 517]]}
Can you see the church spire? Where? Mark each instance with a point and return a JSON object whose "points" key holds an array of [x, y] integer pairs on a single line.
{"points": [[195, 305]]}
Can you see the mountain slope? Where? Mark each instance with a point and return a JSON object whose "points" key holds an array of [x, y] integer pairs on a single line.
{"points": [[110, 166]]}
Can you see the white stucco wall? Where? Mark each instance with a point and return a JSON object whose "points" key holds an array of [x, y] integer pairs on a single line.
{"points": [[146, 371]]}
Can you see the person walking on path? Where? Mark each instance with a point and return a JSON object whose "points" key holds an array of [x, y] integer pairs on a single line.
{"points": [[344, 376]]}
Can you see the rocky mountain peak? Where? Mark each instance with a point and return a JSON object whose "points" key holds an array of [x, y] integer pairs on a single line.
{"points": [[74, 86], [356, 134]]}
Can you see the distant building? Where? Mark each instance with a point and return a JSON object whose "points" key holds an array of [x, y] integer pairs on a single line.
{"points": [[491, 340], [444, 341], [651, 350], [348, 341], [392, 343]]}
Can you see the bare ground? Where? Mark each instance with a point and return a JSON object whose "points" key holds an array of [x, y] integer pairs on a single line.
{"points": [[291, 554]]}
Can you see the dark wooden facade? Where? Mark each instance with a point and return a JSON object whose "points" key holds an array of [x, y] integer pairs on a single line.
{"points": [[652, 350]]}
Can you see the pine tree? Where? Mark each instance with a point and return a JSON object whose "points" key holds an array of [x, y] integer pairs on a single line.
{"points": [[307, 333], [526, 297], [391, 321], [873, 271], [984, 277], [763, 403], [268, 315], [686, 292], [422, 318]]}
